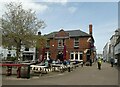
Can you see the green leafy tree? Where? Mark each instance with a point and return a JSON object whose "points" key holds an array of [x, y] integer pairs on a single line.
{"points": [[20, 27]]}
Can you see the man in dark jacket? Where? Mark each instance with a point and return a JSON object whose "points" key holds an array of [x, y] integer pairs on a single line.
{"points": [[112, 62]]}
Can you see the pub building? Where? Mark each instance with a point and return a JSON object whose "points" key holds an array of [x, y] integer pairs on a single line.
{"points": [[79, 45]]}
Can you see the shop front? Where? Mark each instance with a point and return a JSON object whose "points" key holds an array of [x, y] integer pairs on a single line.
{"points": [[117, 53]]}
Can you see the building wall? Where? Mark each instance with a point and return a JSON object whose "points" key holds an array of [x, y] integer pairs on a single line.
{"points": [[110, 50], [117, 52], [117, 49], [113, 40], [106, 52], [5, 53]]}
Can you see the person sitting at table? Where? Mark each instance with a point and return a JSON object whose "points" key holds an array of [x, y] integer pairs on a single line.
{"points": [[76, 61], [68, 62], [46, 63], [50, 59], [57, 61], [53, 62], [65, 62]]}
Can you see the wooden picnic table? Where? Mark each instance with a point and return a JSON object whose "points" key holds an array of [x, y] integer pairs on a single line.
{"points": [[76, 63], [40, 69], [59, 67]]}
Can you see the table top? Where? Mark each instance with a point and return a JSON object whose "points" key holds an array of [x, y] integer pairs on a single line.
{"points": [[76, 60], [38, 66], [57, 65]]}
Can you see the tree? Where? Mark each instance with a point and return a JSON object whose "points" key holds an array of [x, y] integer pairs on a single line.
{"points": [[0, 38], [20, 27]]}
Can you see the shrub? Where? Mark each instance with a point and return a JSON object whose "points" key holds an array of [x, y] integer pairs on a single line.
{"points": [[11, 58]]}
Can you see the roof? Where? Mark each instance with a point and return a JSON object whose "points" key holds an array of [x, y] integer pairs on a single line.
{"points": [[116, 34], [72, 33]]}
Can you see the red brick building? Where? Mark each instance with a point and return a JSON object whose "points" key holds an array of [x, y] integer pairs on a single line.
{"points": [[79, 45]]}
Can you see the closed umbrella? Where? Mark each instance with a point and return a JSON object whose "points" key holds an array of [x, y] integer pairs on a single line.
{"points": [[43, 54], [64, 52]]}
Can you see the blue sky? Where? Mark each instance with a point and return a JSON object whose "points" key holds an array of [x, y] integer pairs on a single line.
{"points": [[76, 15]]}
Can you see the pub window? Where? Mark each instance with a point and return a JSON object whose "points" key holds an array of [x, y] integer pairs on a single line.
{"points": [[76, 56], [76, 42], [81, 56], [60, 43], [72, 55], [48, 43]]}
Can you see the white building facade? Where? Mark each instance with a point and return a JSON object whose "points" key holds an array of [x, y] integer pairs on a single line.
{"points": [[110, 48], [117, 49], [113, 40], [4, 53], [106, 52], [26, 53]]}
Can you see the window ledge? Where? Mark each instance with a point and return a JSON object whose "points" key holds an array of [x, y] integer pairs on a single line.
{"points": [[76, 47]]}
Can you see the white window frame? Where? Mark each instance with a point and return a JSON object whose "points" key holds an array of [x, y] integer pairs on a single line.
{"points": [[72, 53], [80, 53], [76, 41], [60, 40]]}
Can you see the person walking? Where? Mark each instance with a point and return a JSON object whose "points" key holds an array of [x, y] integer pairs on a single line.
{"points": [[112, 62], [116, 61], [99, 63], [90, 62]]}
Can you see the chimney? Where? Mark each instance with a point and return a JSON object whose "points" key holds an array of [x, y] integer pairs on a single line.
{"points": [[39, 33], [90, 29]]}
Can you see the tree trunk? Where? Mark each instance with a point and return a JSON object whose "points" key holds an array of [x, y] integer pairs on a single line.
{"points": [[18, 50]]}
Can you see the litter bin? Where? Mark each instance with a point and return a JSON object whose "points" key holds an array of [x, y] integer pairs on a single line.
{"points": [[25, 71], [68, 68], [18, 72], [9, 71]]}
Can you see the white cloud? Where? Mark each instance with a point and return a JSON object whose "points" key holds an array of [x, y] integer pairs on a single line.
{"points": [[63, 2], [27, 4], [39, 8], [72, 9], [2, 9]]}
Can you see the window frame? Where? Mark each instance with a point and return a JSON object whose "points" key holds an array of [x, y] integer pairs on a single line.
{"points": [[27, 49], [62, 42], [72, 53], [48, 43], [76, 41]]}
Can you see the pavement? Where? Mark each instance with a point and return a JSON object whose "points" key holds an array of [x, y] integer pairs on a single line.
{"points": [[86, 75]]}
